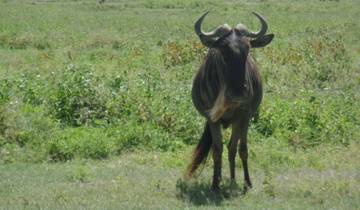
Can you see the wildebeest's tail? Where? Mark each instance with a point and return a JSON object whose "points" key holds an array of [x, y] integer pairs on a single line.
{"points": [[201, 151]]}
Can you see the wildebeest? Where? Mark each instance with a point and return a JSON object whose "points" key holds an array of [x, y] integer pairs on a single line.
{"points": [[227, 90]]}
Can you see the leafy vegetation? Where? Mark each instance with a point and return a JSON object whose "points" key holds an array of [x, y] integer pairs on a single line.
{"points": [[80, 80], [109, 78]]}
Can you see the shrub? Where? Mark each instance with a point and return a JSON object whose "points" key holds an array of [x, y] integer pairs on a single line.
{"points": [[77, 99], [308, 120], [25, 130], [5, 90], [180, 53], [82, 142], [317, 62], [99, 143], [32, 88]]}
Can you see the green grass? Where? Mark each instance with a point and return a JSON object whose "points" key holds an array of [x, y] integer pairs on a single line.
{"points": [[317, 179], [95, 106]]}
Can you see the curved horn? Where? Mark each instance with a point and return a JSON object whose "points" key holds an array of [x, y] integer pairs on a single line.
{"points": [[263, 29], [209, 38], [198, 24]]}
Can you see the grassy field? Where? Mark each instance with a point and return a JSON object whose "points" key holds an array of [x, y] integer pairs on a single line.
{"points": [[96, 113], [327, 178]]}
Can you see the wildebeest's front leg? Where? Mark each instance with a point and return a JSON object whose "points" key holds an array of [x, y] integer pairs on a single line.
{"points": [[232, 148], [217, 154], [243, 152]]}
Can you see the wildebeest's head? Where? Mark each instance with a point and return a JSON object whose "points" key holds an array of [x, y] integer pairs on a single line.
{"points": [[237, 40]]}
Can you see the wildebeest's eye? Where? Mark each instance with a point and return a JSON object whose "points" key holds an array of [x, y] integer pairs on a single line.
{"points": [[240, 32]]}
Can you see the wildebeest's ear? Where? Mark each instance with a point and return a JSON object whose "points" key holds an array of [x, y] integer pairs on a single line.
{"points": [[262, 41]]}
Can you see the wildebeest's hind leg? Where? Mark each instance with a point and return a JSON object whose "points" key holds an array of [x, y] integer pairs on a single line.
{"points": [[243, 152], [217, 154], [232, 148]]}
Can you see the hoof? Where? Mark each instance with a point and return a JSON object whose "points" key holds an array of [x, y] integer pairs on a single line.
{"points": [[233, 185], [215, 189], [247, 186]]}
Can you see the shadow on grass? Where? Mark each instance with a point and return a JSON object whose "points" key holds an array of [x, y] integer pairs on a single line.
{"points": [[199, 192]]}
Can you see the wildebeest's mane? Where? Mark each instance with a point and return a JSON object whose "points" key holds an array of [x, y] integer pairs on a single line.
{"points": [[209, 80]]}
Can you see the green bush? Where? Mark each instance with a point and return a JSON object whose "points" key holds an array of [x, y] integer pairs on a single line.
{"points": [[319, 61], [180, 53], [25, 130], [5, 90], [99, 143], [89, 93], [77, 98], [308, 120], [81, 142]]}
